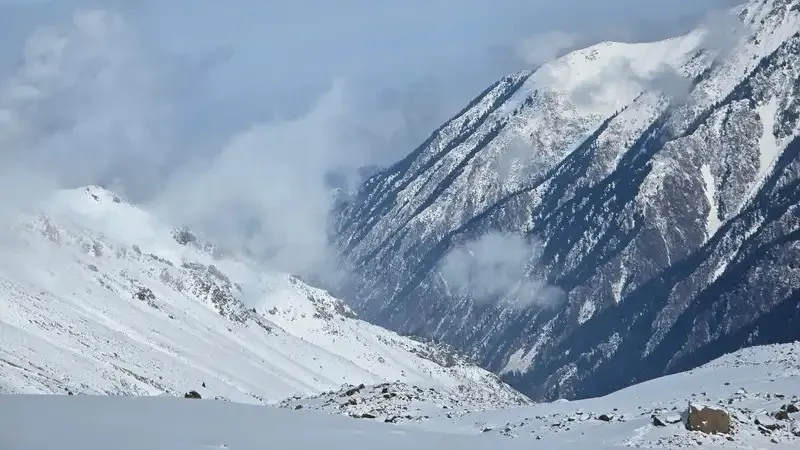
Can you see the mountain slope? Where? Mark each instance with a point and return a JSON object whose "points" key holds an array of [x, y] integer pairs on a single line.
{"points": [[656, 183], [99, 297]]}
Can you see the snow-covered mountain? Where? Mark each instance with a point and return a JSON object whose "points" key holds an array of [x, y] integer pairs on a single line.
{"points": [[658, 184], [755, 391], [99, 297]]}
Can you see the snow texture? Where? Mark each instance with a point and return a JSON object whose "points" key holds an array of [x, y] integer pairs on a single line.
{"points": [[99, 297], [758, 387]]}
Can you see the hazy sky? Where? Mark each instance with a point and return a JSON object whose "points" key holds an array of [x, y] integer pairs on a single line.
{"points": [[425, 57], [230, 114], [432, 54]]}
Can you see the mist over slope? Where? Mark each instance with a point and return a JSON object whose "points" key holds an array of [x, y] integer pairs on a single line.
{"points": [[640, 201]]}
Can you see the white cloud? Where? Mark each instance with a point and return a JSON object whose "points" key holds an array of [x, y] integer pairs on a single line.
{"points": [[540, 48], [498, 268], [85, 105], [267, 184], [227, 119]]}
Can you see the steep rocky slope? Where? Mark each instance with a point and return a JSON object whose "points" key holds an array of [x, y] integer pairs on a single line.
{"points": [[656, 185]]}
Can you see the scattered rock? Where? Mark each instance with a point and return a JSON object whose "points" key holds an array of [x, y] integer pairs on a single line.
{"points": [[791, 408], [708, 420], [352, 391], [658, 422], [192, 394], [782, 415], [768, 423], [298, 407], [604, 418]]}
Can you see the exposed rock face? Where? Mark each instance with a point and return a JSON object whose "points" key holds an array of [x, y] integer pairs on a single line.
{"points": [[708, 420], [669, 223], [192, 394]]}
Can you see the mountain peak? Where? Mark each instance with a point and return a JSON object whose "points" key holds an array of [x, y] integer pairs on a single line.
{"points": [[654, 184]]}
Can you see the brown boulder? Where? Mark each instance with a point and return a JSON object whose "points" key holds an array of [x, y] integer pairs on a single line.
{"points": [[708, 420]]}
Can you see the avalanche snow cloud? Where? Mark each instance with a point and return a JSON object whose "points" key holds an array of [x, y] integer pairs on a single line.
{"points": [[231, 119], [497, 267]]}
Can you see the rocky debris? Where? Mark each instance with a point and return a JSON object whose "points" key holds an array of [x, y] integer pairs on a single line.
{"points": [[604, 417], [400, 402], [209, 284], [144, 294], [658, 422], [673, 419], [708, 420], [791, 408], [353, 391], [767, 423], [192, 394]]}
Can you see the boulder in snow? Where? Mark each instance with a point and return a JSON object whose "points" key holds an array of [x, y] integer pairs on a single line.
{"points": [[707, 419]]}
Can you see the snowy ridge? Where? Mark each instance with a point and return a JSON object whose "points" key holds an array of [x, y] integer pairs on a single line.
{"points": [[758, 388], [102, 298]]}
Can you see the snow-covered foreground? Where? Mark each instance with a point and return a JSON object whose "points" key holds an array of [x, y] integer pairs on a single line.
{"points": [[100, 297], [751, 385], [130, 423]]}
